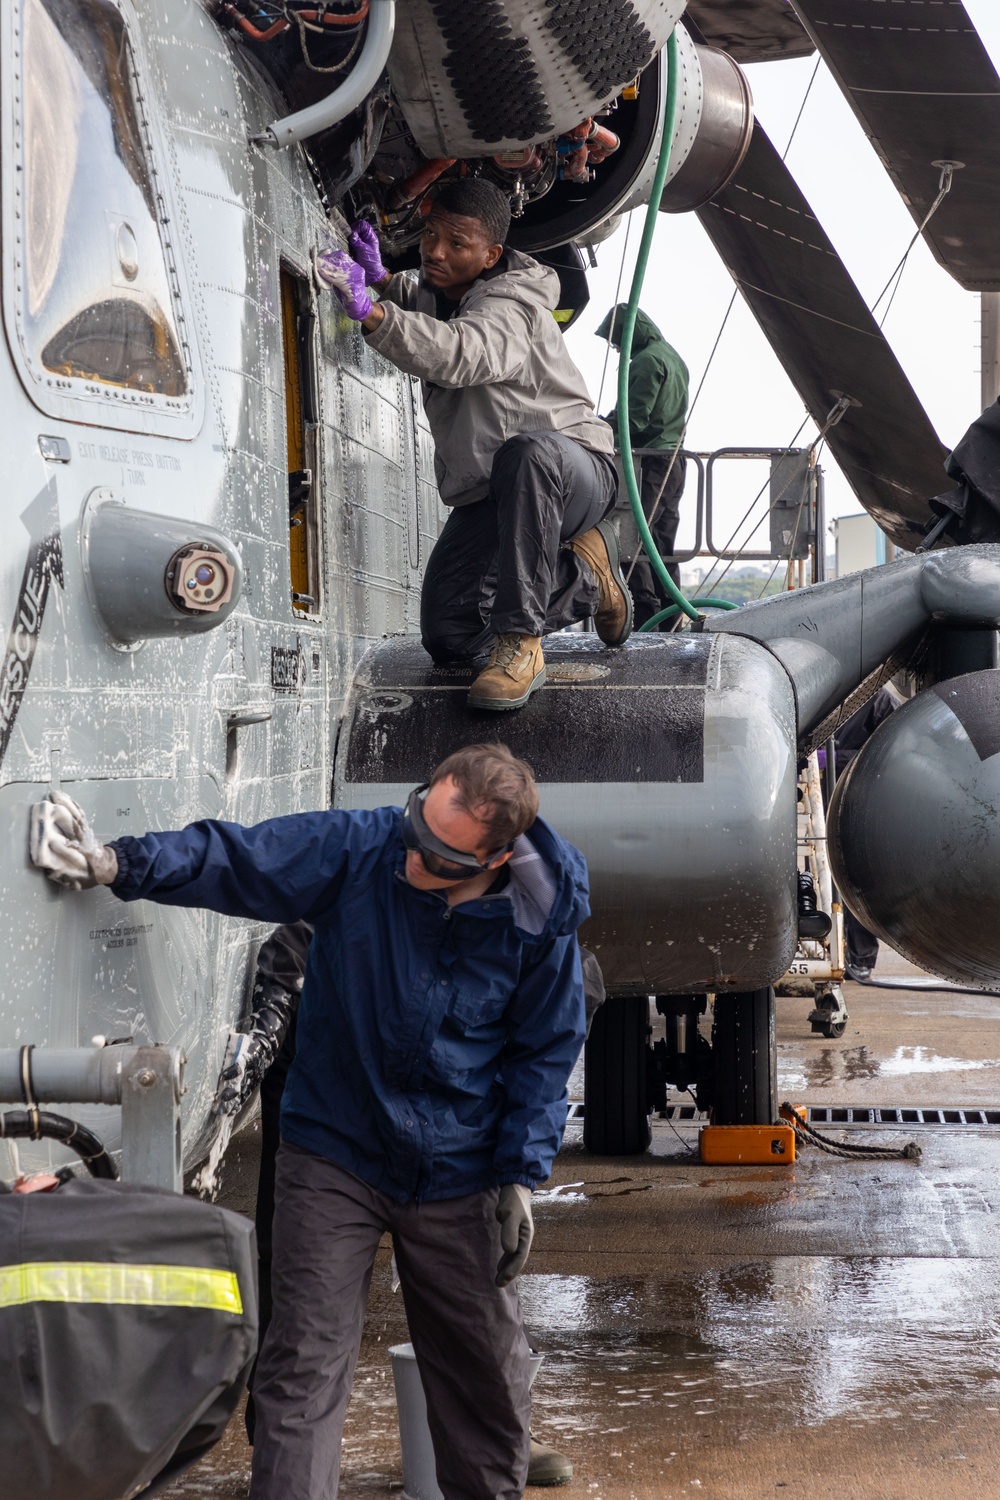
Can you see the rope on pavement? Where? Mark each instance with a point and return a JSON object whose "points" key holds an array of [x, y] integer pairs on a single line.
{"points": [[805, 1133]]}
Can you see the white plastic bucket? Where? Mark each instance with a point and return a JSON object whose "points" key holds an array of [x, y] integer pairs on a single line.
{"points": [[419, 1473]]}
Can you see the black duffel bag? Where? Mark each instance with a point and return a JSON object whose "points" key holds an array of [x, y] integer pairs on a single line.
{"points": [[128, 1325]]}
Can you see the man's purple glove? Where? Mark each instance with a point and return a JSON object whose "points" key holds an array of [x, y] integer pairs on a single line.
{"points": [[336, 270], [367, 252]]}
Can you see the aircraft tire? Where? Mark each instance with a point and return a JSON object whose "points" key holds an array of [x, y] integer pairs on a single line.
{"points": [[745, 1059], [616, 1114]]}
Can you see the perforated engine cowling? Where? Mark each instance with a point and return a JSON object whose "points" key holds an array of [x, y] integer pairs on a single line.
{"points": [[605, 39], [491, 72], [478, 79]]}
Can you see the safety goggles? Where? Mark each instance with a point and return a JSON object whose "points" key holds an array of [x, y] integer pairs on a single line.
{"points": [[439, 858]]}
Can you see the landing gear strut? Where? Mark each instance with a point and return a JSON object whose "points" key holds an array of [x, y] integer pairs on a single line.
{"points": [[735, 1078]]}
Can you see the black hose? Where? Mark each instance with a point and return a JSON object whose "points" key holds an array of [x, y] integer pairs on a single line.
{"points": [[39, 1124], [936, 986]]}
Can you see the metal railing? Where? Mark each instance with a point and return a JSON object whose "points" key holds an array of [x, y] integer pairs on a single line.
{"points": [[808, 522]]}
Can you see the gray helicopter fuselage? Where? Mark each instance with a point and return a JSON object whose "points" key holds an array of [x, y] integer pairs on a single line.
{"points": [[147, 733], [176, 393]]}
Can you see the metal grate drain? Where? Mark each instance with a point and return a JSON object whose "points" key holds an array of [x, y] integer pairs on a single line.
{"points": [[887, 1114], [866, 1115]]}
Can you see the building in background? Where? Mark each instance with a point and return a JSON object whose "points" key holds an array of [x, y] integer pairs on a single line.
{"points": [[740, 584], [859, 544]]}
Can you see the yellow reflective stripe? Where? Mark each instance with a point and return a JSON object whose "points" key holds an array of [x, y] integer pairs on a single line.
{"points": [[563, 314], [107, 1281]]}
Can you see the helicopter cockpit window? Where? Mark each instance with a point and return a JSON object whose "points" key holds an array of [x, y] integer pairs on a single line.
{"points": [[95, 294]]}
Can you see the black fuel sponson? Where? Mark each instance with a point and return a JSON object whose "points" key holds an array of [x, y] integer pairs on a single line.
{"points": [[591, 723]]}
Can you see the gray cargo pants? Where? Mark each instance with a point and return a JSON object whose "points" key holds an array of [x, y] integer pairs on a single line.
{"points": [[467, 1334]]}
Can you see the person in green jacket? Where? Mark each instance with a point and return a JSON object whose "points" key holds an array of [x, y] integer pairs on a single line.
{"points": [[658, 400]]}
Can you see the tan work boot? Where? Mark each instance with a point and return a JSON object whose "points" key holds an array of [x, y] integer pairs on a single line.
{"points": [[599, 550], [515, 669], [546, 1466]]}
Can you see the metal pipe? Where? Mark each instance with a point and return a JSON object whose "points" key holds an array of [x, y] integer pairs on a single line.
{"points": [[990, 344], [819, 555], [419, 181], [817, 833], [257, 35], [837, 954], [830, 775], [146, 1081], [252, 31], [327, 18], [77, 1075], [353, 91]]}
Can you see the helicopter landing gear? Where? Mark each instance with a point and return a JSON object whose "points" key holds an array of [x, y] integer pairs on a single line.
{"points": [[735, 1078], [616, 1109], [744, 1056]]}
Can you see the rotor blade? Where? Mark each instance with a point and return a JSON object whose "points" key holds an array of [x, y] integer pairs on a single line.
{"points": [[828, 342], [750, 30], [925, 90]]}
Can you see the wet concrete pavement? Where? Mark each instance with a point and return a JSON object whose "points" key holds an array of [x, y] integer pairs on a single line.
{"points": [[825, 1329]]}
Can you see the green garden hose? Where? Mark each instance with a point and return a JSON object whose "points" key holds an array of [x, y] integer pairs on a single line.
{"points": [[682, 604], [675, 609]]}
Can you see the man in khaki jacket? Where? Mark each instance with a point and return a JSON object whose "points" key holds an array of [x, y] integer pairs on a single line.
{"points": [[521, 457]]}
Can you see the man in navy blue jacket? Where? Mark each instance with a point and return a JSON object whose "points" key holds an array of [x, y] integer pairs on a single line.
{"points": [[441, 1015]]}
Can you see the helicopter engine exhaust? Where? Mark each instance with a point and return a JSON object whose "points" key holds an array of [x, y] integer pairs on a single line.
{"points": [[475, 80], [523, 90]]}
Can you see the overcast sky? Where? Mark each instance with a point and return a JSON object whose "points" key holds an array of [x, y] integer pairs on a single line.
{"points": [[933, 325]]}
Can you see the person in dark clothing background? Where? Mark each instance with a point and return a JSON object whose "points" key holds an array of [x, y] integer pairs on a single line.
{"points": [[851, 737], [657, 400]]}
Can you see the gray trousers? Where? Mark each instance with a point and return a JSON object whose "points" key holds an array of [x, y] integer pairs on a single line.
{"points": [[468, 1337], [500, 565]]}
